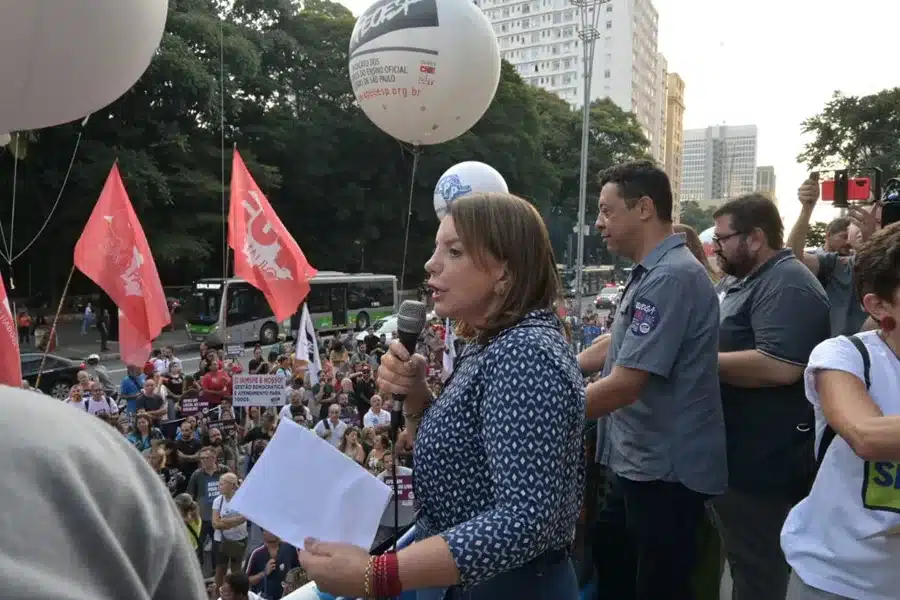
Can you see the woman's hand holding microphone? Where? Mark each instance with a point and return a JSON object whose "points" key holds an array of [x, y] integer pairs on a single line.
{"points": [[404, 374]]}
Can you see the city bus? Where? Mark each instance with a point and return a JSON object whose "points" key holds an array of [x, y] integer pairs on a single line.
{"points": [[337, 302]]}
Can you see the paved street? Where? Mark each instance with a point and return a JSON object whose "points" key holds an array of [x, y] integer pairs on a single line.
{"points": [[190, 359], [71, 343]]}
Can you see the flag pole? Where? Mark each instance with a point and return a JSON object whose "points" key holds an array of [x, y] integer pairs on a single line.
{"points": [[52, 336]]}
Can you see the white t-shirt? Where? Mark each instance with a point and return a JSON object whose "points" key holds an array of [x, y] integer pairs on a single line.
{"points": [[372, 420], [337, 431], [832, 540], [285, 413], [104, 406], [235, 534]]}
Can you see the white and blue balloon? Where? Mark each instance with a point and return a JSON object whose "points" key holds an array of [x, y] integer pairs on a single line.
{"points": [[463, 179]]}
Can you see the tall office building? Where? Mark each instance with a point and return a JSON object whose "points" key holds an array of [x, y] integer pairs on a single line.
{"points": [[719, 163], [674, 136], [540, 38], [765, 181], [658, 150]]}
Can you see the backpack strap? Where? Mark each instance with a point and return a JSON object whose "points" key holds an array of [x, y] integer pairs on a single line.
{"points": [[864, 352], [829, 434]]}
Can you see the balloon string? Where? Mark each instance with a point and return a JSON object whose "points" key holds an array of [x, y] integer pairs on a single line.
{"points": [[58, 196], [12, 217], [6, 250], [412, 186]]}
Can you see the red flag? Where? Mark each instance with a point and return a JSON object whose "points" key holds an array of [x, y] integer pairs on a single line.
{"points": [[113, 252], [10, 365], [265, 254]]}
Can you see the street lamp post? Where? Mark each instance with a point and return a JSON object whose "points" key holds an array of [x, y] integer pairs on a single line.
{"points": [[589, 13]]}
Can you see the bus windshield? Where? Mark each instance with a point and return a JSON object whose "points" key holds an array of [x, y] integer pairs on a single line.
{"points": [[203, 306]]}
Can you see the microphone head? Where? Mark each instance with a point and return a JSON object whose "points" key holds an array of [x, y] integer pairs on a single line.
{"points": [[412, 316]]}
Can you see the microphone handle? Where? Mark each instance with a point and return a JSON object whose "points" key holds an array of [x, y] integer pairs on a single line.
{"points": [[409, 340]]}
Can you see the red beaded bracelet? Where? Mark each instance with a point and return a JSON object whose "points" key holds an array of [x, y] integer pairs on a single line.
{"points": [[386, 576]]}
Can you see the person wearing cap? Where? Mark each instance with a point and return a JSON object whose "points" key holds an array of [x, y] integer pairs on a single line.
{"points": [[99, 373]]}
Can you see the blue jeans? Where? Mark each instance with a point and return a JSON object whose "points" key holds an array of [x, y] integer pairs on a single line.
{"points": [[537, 580]]}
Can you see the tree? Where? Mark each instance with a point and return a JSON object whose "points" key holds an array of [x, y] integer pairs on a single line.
{"points": [[815, 235], [700, 219], [340, 185], [855, 131]]}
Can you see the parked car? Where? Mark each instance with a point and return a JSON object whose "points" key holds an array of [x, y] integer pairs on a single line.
{"points": [[386, 326], [606, 299], [59, 374]]}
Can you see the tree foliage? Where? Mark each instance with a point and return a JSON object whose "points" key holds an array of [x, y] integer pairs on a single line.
{"points": [[855, 132], [339, 184], [815, 235], [700, 219]]}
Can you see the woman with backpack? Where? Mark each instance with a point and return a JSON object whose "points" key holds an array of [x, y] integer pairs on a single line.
{"points": [[843, 540]]}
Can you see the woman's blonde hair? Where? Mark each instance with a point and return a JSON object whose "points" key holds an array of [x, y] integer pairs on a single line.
{"points": [[692, 241], [510, 230]]}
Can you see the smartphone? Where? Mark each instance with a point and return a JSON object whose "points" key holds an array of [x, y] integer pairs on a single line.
{"points": [[857, 189]]}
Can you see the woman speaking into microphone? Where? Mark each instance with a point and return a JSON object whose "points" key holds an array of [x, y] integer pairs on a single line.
{"points": [[499, 457]]}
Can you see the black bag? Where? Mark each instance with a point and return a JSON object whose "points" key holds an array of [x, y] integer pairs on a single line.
{"points": [[233, 549], [829, 434]]}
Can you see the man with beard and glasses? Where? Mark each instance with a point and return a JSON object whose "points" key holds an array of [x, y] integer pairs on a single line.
{"points": [[773, 313], [663, 435]]}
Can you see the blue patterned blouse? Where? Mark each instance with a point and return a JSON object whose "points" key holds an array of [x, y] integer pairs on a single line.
{"points": [[499, 456]]}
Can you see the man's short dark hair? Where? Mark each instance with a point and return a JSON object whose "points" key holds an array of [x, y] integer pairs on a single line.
{"points": [[839, 225], [238, 582], [754, 211], [640, 178]]}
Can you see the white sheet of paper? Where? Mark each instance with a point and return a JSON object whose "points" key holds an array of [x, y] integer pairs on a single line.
{"points": [[302, 486]]}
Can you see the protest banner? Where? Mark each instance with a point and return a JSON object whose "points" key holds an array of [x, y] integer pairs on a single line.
{"points": [[258, 390], [404, 488]]}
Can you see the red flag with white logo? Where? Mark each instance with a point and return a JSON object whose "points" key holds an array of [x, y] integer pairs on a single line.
{"points": [[113, 252], [265, 254], [10, 365]]}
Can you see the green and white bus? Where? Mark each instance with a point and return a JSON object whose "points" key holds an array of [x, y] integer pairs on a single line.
{"points": [[337, 302]]}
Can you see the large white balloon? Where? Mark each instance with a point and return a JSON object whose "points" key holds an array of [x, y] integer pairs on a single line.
{"points": [[466, 178], [424, 71], [61, 60], [5, 138]]}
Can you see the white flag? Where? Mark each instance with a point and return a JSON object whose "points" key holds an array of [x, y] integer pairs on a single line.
{"points": [[449, 348], [308, 346]]}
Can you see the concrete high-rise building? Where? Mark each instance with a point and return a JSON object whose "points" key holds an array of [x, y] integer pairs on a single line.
{"points": [[658, 149], [540, 39], [719, 163], [674, 147], [765, 181]]}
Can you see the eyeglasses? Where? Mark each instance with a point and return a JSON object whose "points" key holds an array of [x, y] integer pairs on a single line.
{"points": [[718, 240]]}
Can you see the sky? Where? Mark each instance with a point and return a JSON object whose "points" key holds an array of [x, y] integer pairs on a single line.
{"points": [[773, 63]]}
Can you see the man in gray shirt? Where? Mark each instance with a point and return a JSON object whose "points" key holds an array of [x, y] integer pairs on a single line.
{"points": [[833, 266], [664, 437], [86, 518], [773, 312]]}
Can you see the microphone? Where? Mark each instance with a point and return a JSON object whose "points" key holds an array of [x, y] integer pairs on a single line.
{"points": [[410, 323]]}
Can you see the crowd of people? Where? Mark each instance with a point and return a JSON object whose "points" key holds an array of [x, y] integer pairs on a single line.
{"points": [[743, 399], [741, 412], [202, 446]]}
